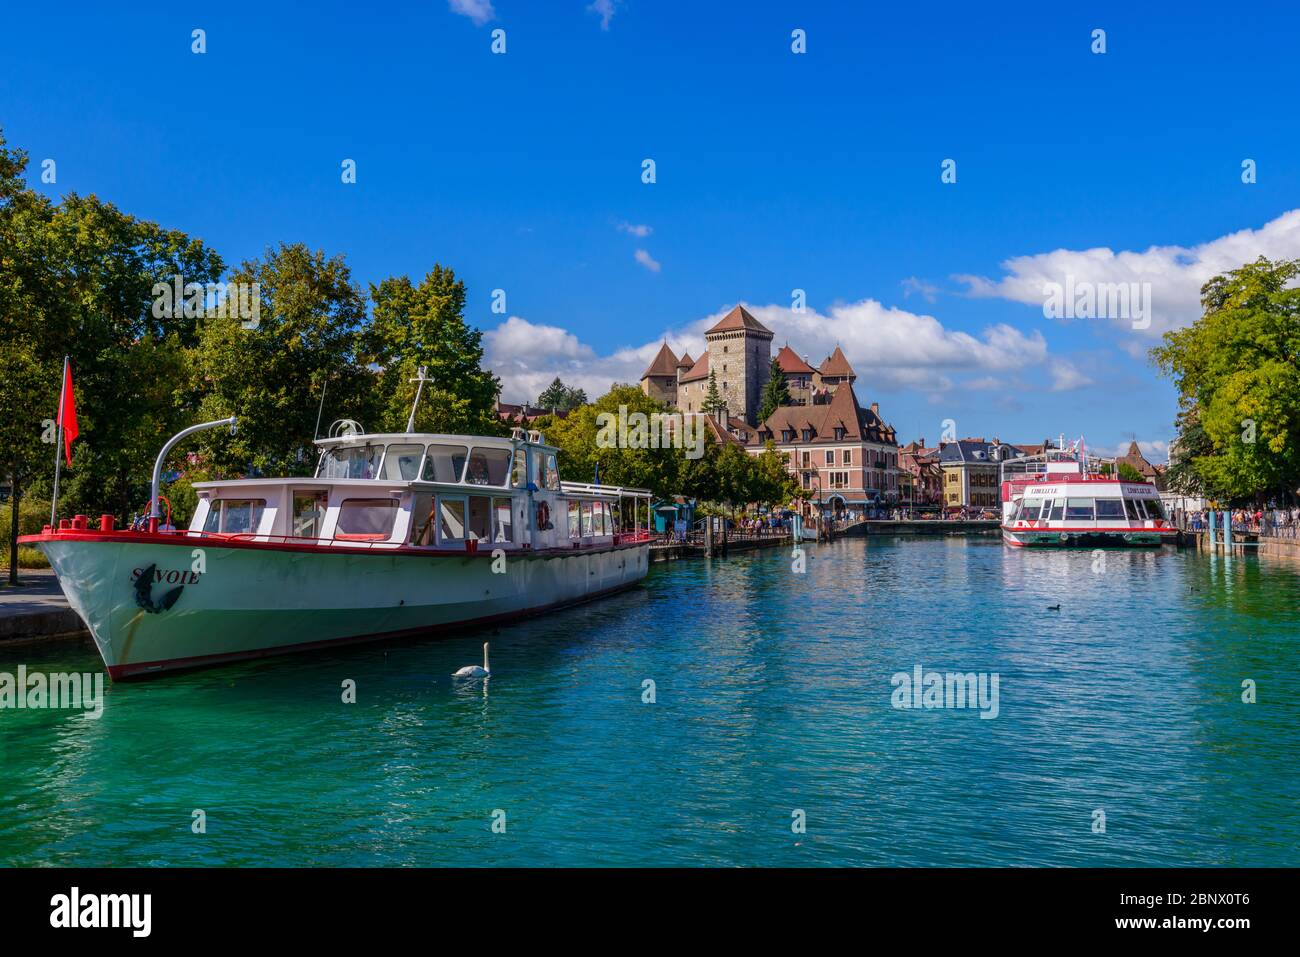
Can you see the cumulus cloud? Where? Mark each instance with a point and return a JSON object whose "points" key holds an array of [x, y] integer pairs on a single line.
{"points": [[913, 285], [1175, 273], [1066, 376], [890, 349], [603, 9], [1155, 451], [480, 11], [645, 259]]}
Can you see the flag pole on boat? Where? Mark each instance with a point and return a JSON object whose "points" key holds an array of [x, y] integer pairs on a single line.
{"points": [[419, 377], [58, 448]]}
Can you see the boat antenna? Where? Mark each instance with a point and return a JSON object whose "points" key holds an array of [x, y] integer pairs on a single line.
{"points": [[420, 378], [316, 431]]}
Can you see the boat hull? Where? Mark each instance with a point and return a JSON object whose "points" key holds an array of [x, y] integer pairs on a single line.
{"points": [[243, 601], [1085, 538]]}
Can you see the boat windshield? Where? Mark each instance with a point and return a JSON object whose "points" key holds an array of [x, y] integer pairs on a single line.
{"points": [[351, 462]]}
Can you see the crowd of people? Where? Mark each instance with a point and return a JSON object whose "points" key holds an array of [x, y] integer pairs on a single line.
{"points": [[1262, 521]]}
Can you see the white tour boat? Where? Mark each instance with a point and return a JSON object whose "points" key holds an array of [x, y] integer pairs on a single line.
{"points": [[1058, 500], [395, 534]]}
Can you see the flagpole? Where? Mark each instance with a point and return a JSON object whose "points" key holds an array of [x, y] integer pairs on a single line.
{"points": [[58, 449]]}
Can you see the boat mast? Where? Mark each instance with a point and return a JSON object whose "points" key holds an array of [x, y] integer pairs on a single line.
{"points": [[419, 377]]}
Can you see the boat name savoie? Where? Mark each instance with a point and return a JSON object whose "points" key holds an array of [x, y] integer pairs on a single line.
{"points": [[170, 576]]}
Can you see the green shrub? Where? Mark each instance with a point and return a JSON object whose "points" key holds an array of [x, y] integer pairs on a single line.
{"points": [[33, 515]]}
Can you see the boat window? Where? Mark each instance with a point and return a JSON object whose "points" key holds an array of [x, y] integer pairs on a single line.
{"points": [[552, 473], [370, 519], [1029, 511], [234, 516], [1134, 513], [575, 520], [1153, 508], [451, 519], [444, 463], [402, 462], [309, 513], [1078, 510], [521, 468], [503, 529], [480, 517], [1058, 510], [606, 524], [488, 467], [1110, 508], [586, 519], [422, 516], [536, 472], [351, 462]]}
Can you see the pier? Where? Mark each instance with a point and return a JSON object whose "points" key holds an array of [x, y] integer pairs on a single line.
{"points": [[37, 610]]}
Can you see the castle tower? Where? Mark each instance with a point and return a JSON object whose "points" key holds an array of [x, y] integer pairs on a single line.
{"points": [[740, 356], [659, 381]]}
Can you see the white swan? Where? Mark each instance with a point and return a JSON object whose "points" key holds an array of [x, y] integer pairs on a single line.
{"points": [[474, 671]]}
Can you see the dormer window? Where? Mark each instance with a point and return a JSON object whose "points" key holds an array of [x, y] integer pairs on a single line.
{"points": [[840, 432], [787, 435]]}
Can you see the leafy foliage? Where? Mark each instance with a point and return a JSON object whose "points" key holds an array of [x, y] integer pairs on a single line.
{"points": [[1237, 369], [775, 393]]}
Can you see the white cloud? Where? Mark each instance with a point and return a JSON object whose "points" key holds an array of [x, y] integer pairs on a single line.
{"points": [[480, 11], [1176, 273], [1155, 451], [645, 259], [603, 9], [635, 229], [890, 349], [925, 290], [1065, 376]]}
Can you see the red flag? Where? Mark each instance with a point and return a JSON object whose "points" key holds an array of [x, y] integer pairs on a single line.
{"points": [[68, 411]]}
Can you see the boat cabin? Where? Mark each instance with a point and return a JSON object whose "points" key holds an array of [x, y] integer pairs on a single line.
{"points": [[444, 492]]}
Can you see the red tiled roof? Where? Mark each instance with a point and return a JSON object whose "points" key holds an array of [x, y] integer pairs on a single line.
{"points": [[698, 371], [663, 364], [843, 411], [836, 365], [791, 364], [685, 362], [739, 318]]}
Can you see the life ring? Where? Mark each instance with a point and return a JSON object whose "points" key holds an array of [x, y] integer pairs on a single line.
{"points": [[543, 516]]}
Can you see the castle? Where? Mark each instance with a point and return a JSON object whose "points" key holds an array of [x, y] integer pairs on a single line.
{"points": [[738, 358]]}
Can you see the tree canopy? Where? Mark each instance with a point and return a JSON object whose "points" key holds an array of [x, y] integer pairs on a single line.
{"points": [[1237, 370], [81, 278]]}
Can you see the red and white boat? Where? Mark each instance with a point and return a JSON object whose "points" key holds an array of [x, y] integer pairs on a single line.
{"points": [[395, 534], [1059, 500]]}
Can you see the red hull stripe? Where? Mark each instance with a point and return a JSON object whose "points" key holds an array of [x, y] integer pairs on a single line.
{"points": [[140, 669], [211, 541]]}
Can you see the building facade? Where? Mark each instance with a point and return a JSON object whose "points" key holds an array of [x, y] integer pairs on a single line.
{"points": [[845, 456]]}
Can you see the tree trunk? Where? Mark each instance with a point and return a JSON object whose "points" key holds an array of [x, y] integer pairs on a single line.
{"points": [[13, 529]]}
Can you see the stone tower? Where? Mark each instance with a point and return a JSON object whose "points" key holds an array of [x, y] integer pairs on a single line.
{"points": [[740, 357]]}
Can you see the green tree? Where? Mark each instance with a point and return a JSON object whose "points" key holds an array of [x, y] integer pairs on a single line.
{"points": [[713, 404], [559, 397], [775, 393], [578, 437], [271, 376], [424, 325], [1237, 370]]}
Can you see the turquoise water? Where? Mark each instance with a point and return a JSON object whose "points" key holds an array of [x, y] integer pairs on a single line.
{"points": [[773, 694]]}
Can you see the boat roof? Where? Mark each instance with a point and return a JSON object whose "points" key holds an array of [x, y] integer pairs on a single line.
{"points": [[433, 438]]}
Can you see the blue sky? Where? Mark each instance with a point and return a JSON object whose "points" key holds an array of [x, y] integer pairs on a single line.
{"points": [[775, 171]]}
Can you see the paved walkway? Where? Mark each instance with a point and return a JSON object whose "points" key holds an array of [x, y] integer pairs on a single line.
{"points": [[36, 608]]}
